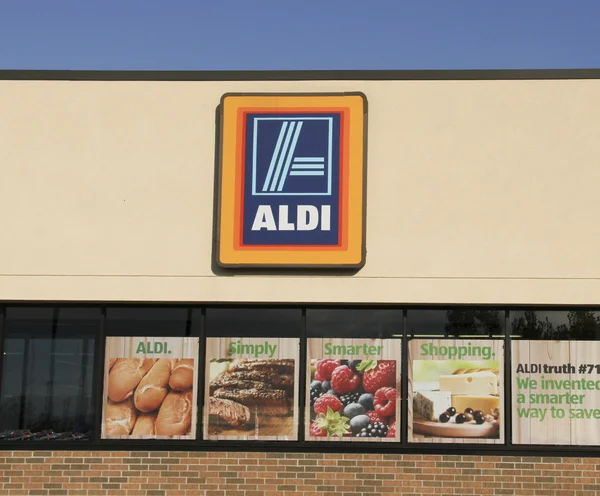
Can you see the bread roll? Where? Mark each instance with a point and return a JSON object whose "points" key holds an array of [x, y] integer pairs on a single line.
{"points": [[175, 414], [182, 377], [111, 362], [125, 375], [120, 418], [153, 389], [144, 425]]}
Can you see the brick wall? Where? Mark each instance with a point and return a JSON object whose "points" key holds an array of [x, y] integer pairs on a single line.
{"points": [[250, 474]]}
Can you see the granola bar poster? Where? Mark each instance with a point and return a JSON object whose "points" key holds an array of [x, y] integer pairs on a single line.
{"points": [[150, 388], [555, 390], [455, 391], [353, 390], [251, 389]]}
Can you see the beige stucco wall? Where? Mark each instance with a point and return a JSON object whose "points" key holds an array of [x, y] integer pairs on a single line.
{"points": [[478, 192]]}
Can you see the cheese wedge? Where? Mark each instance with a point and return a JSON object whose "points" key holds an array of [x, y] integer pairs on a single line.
{"points": [[474, 383], [431, 404], [477, 402]]}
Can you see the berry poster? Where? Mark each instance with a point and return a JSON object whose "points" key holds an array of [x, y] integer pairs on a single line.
{"points": [[251, 389], [455, 391], [353, 390], [150, 388], [555, 392]]}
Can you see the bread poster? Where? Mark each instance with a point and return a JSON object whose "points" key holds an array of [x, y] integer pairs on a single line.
{"points": [[556, 392], [251, 389], [455, 391], [150, 388], [353, 390]]}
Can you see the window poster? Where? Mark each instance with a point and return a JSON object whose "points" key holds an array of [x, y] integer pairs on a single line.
{"points": [[556, 392], [251, 389], [455, 391], [353, 390], [150, 388]]}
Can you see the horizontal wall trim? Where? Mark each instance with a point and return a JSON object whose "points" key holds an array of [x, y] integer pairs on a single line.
{"points": [[303, 75]]}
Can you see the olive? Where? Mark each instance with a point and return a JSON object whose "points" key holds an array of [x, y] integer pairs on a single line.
{"points": [[444, 417], [468, 410], [468, 416], [460, 418], [477, 413], [451, 411], [479, 419]]}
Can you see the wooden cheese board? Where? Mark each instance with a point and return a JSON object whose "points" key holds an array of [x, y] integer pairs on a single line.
{"points": [[452, 429]]}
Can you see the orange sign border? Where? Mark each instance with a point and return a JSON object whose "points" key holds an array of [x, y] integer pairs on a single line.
{"points": [[350, 252]]}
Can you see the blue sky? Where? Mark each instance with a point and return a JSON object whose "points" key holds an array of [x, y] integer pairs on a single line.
{"points": [[308, 34]]}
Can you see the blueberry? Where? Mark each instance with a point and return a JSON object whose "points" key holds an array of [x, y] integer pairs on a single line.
{"points": [[353, 364], [359, 423], [444, 417], [326, 385], [353, 410], [479, 419], [366, 400], [451, 411], [315, 385], [469, 410], [460, 418]]}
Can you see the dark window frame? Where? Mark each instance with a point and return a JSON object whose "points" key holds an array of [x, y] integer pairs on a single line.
{"points": [[401, 447]]}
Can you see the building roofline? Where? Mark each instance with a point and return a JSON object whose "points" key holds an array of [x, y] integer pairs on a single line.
{"points": [[317, 75]]}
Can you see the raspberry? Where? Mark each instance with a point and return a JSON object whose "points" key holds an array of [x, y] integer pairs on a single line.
{"points": [[343, 380], [317, 431], [318, 377], [392, 429], [382, 375], [326, 367], [374, 416], [327, 400], [385, 401]]}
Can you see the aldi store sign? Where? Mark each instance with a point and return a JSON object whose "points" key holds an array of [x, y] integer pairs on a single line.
{"points": [[291, 181]]}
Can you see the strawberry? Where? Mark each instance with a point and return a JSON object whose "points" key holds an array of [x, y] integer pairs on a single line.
{"points": [[385, 401], [377, 374], [344, 380], [327, 401], [374, 416], [392, 429], [326, 367], [315, 430], [332, 423]]}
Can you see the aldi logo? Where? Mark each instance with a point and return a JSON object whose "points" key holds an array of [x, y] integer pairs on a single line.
{"points": [[291, 184]]}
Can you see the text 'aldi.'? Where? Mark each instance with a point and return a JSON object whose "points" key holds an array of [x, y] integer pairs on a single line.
{"points": [[291, 185]]}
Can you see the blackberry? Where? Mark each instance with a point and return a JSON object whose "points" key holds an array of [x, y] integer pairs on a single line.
{"points": [[378, 429], [348, 398], [316, 391]]}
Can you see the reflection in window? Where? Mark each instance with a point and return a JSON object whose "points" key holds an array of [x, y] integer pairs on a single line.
{"points": [[47, 376], [355, 322], [258, 322], [150, 321], [555, 325], [455, 322]]}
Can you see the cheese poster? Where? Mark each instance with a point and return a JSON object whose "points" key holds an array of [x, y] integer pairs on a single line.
{"points": [[555, 392], [455, 391], [150, 388], [353, 390], [251, 389]]}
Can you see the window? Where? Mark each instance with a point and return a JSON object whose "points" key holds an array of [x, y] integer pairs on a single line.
{"points": [[47, 373], [355, 322], [579, 324], [455, 322]]}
